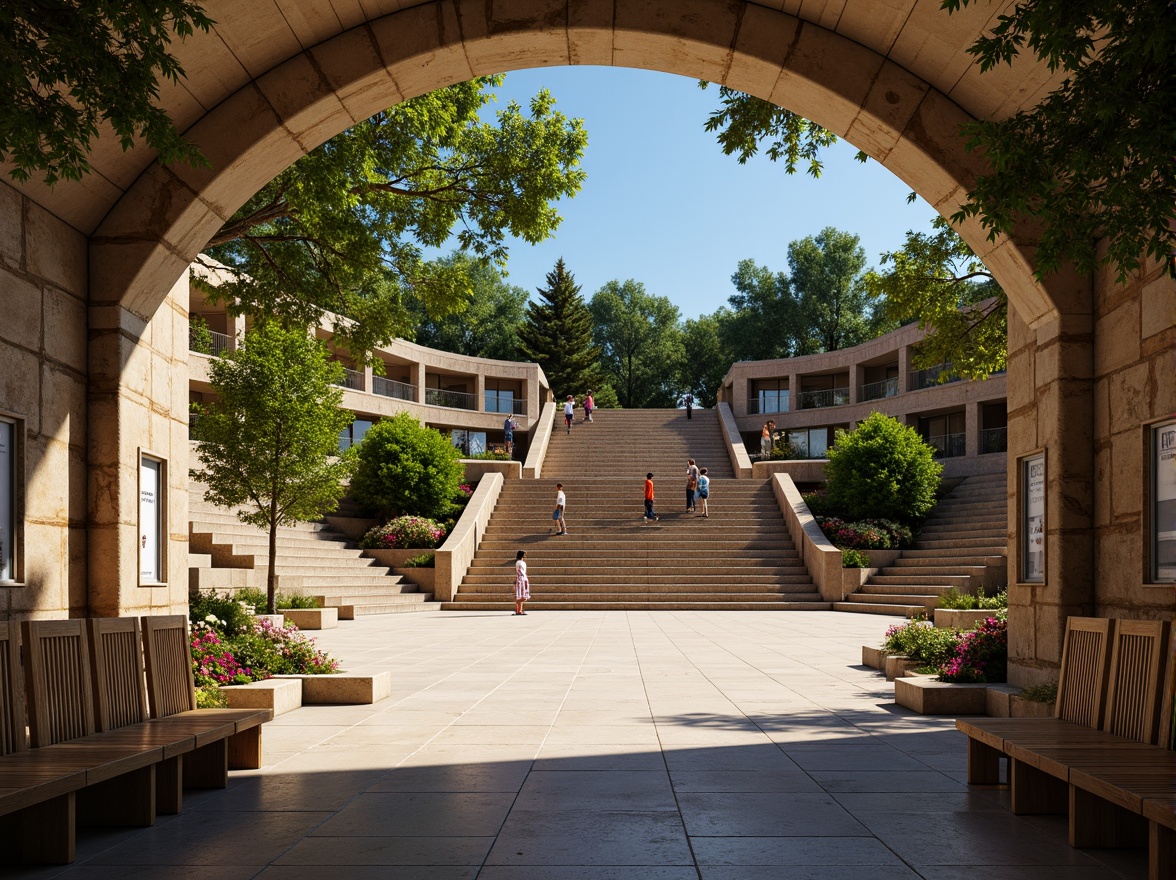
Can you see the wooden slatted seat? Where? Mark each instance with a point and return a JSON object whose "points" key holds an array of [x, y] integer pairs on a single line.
{"points": [[225, 738], [1116, 784]]}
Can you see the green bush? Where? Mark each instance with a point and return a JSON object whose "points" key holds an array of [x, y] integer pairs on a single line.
{"points": [[966, 602], [1041, 693], [817, 502], [882, 469], [425, 560], [921, 641], [199, 336], [404, 533], [982, 654], [256, 598], [854, 559], [228, 617], [406, 468]]}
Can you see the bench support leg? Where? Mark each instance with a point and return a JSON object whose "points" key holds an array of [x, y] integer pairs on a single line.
{"points": [[207, 766], [983, 763], [1034, 792], [169, 786], [1097, 823], [42, 834], [245, 749], [1161, 852], [128, 799]]}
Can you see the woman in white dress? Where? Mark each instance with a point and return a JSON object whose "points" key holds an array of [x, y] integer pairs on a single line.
{"points": [[522, 585]]}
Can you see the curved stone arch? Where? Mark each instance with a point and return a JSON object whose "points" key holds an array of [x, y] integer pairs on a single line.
{"points": [[168, 215]]}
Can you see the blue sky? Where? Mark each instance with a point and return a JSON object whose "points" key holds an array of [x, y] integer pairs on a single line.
{"points": [[663, 205]]}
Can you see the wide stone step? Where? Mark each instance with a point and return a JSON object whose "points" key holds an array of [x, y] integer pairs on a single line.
{"points": [[619, 605], [914, 573], [926, 590], [366, 609], [651, 574], [960, 582], [623, 584], [584, 542], [881, 608], [908, 599], [635, 594], [206, 580], [309, 583], [934, 564], [356, 599], [292, 545], [936, 556], [963, 543]]}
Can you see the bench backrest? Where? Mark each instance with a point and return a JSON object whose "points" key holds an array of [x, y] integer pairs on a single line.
{"points": [[116, 660], [57, 680], [1137, 673], [1082, 683], [168, 654], [13, 735]]}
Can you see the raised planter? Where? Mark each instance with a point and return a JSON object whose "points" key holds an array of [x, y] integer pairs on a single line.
{"points": [[957, 618], [343, 688], [929, 697], [312, 618], [282, 695], [897, 666], [875, 658], [395, 558], [421, 576]]}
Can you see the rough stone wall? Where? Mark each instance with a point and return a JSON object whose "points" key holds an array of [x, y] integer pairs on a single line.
{"points": [[43, 371]]}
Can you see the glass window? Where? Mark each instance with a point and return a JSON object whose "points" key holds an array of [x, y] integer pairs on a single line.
{"points": [[7, 500], [1163, 506], [151, 518], [1033, 519], [818, 442]]}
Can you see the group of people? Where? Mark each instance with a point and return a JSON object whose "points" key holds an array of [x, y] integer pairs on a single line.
{"points": [[570, 409], [697, 489]]}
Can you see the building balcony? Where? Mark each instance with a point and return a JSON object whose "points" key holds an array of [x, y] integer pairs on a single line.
{"points": [[209, 342], [820, 399], [994, 440], [948, 445], [451, 399], [878, 390], [352, 379], [931, 377], [767, 403], [392, 388]]}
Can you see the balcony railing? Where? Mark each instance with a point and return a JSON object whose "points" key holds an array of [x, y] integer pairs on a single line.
{"points": [[879, 390], [819, 399], [949, 445], [451, 399], [994, 440], [506, 405], [392, 388], [767, 402], [927, 378], [218, 346], [352, 379]]}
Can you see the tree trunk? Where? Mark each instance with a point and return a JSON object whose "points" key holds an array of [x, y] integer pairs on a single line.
{"points": [[270, 591]]}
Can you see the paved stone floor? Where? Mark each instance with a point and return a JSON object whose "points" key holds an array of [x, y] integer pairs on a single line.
{"points": [[606, 746]]}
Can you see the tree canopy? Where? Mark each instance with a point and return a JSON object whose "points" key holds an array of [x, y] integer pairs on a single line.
{"points": [[556, 333], [270, 443], [640, 343], [66, 67], [342, 230]]}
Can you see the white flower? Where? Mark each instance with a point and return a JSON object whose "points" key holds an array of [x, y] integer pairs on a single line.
{"points": [[211, 618]]}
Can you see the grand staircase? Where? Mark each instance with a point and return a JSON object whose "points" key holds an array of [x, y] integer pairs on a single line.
{"points": [[738, 558], [963, 545], [313, 560]]}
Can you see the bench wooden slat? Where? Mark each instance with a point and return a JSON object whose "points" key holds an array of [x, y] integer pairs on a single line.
{"points": [[1134, 691], [1082, 679], [57, 680], [116, 658], [13, 724]]}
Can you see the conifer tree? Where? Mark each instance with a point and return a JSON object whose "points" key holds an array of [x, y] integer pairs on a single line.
{"points": [[557, 334]]}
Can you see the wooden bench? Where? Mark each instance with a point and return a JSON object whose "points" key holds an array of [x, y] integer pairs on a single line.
{"points": [[96, 756], [1097, 760]]}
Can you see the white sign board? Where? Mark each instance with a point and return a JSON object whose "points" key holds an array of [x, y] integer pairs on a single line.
{"points": [[1164, 502], [1033, 520], [7, 501], [150, 522]]}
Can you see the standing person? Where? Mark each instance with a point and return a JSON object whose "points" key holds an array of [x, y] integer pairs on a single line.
{"points": [[522, 583], [689, 405], [569, 411], [766, 439], [589, 404], [704, 490], [691, 483], [649, 514], [508, 432], [561, 502]]}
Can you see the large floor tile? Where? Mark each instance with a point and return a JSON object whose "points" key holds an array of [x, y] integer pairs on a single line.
{"points": [[592, 838]]}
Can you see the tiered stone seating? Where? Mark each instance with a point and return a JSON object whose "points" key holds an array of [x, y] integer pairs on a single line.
{"points": [[313, 560], [738, 558], [963, 545]]}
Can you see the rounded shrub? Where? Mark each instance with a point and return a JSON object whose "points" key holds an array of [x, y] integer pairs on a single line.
{"points": [[404, 533], [882, 469], [406, 468]]}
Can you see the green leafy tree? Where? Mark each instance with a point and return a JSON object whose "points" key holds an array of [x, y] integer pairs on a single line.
{"points": [[827, 280], [341, 231], [68, 66], [705, 360], [486, 326], [640, 343], [605, 397], [1093, 159], [765, 319], [269, 444], [883, 470], [556, 333], [406, 469], [936, 280]]}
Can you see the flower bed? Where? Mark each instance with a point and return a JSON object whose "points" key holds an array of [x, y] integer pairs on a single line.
{"points": [[404, 533]]}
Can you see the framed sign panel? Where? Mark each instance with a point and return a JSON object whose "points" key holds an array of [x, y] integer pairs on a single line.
{"points": [[8, 435], [1163, 502], [1033, 519], [152, 533]]}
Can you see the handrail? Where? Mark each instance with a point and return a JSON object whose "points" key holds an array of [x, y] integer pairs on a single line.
{"points": [[451, 399], [533, 466], [878, 390], [929, 377], [781, 406], [821, 399], [949, 445], [352, 379], [994, 440], [393, 388], [740, 460], [452, 559], [820, 557]]}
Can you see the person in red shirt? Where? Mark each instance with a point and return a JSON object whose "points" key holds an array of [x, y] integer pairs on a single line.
{"points": [[649, 514]]}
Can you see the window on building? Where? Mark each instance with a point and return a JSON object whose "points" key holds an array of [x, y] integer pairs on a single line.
{"points": [[152, 519], [8, 510], [499, 399], [469, 442], [768, 396], [1163, 502], [353, 433]]}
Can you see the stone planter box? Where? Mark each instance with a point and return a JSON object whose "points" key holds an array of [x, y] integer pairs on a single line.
{"points": [[929, 697], [897, 666], [282, 695], [422, 577], [875, 658], [394, 558], [954, 618], [313, 618], [343, 688]]}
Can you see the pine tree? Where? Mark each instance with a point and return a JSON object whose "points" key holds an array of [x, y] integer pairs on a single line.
{"points": [[557, 335]]}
